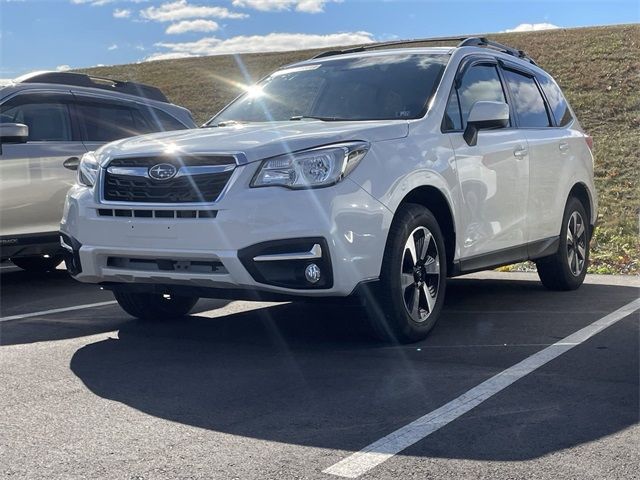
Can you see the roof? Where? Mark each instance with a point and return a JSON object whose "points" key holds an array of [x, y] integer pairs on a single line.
{"points": [[374, 53], [101, 83], [471, 41]]}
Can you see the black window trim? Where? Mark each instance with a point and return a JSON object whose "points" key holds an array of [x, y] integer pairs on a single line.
{"points": [[64, 97], [465, 64]]}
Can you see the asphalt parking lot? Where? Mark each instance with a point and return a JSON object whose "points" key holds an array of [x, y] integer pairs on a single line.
{"points": [[292, 391]]}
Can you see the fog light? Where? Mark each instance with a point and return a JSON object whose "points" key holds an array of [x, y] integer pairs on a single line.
{"points": [[312, 273]]}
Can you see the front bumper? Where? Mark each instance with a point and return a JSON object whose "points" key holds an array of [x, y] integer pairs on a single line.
{"points": [[216, 250]]}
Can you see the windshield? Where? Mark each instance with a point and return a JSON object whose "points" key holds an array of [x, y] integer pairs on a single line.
{"points": [[380, 87]]}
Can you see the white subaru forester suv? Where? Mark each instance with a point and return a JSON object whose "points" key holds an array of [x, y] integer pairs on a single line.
{"points": [[363, 172]]}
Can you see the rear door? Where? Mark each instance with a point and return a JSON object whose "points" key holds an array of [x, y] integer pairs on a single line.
{"points": [[33, 180], [494, 174], [546, 121]]}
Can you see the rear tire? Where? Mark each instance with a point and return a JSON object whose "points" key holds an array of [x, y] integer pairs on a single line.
{"points": [[154, 306], [409, 297], [566, 269], [38, 264]]}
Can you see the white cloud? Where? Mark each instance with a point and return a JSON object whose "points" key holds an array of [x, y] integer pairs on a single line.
{"points": [[112, 47], [307, 6], [62, 68], [273, 42], [121, 13], [532, 27], [199, 25], [181, 10]]}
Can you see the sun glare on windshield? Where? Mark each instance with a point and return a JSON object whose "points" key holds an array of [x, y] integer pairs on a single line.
{"points": [[377, 87]]}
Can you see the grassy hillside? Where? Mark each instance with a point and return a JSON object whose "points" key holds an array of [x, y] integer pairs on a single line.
{"points": [[598, 69]]}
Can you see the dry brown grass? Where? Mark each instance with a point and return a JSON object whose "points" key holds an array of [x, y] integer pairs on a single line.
{"points": [[598, 69]]}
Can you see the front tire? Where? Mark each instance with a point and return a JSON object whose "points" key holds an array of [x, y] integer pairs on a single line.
{"points": [[566, 269], [154, 306], [412, 279], [37, 264]]}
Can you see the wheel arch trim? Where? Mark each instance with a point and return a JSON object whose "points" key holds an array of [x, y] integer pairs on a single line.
{"points": [[441, 205]]}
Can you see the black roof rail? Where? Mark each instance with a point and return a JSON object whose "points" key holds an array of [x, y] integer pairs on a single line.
{"points": [[484, 42], [465, 41], [84, 80], [364, 48]]}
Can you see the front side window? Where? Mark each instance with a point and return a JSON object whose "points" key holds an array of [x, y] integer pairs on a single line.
{"points": [[104, 123], [47, 121], [378, 87], [528, 100], [480, 83], [557, 102]]}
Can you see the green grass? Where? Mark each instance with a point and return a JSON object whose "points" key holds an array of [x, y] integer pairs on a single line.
{"points": [[598, 69]]}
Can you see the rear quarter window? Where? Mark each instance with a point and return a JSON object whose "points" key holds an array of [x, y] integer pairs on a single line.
{"points": [[557, 102], [161, 121]]}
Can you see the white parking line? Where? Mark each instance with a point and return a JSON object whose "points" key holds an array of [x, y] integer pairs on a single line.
{"points": [[378, 452], [56, 310]]}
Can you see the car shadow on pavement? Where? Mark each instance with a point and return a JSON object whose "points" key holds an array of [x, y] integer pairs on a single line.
{"points": [[307, 375], [24, 292]]}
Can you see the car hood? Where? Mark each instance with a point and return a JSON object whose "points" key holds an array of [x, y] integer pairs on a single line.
{"points": [[255, 141]]}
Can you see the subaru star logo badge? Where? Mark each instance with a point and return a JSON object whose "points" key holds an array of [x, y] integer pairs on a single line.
{"points": [[163, 171]]}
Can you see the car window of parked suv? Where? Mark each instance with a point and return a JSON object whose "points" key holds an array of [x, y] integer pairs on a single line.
{"points": [[162, 121], [479, 83], [46, 121], [557, 102], [528, 101], [104, 122], [381, 87]]}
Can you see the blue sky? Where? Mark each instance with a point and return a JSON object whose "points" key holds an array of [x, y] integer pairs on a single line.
{"points": [[50, 34]]}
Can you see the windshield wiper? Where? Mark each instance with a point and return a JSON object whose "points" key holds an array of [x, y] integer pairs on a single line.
{"points": [[224, 123], [324, 119]]}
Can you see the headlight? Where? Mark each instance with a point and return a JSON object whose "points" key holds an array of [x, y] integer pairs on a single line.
{"points": [[88, 170], [319, 167]]}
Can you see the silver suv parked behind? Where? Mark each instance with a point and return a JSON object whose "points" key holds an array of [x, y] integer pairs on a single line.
{"points": [[379, 173], [48, 120]]}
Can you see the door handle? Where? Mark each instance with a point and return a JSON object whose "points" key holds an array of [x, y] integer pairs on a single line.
{"points": [[564, 147], [71, 163], [520, 152]]}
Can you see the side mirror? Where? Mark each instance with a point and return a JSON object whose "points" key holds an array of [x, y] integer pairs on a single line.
{"points": [[485, 116], [13, 133]]}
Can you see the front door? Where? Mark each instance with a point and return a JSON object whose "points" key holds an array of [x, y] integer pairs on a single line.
{"points": [[33, 180], [493, 175]]}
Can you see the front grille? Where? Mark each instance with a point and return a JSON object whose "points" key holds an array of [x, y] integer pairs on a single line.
{"points": [[178, 161], [195, 188]]}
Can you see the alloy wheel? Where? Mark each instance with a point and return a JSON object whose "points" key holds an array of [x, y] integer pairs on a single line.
{"points": [[420, 274], [576, 243]]}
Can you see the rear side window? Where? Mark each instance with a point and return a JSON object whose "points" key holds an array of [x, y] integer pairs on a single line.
{"points": [[557, 102], [528, 100], [104, 123], [480, 83], [47, 121]]}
